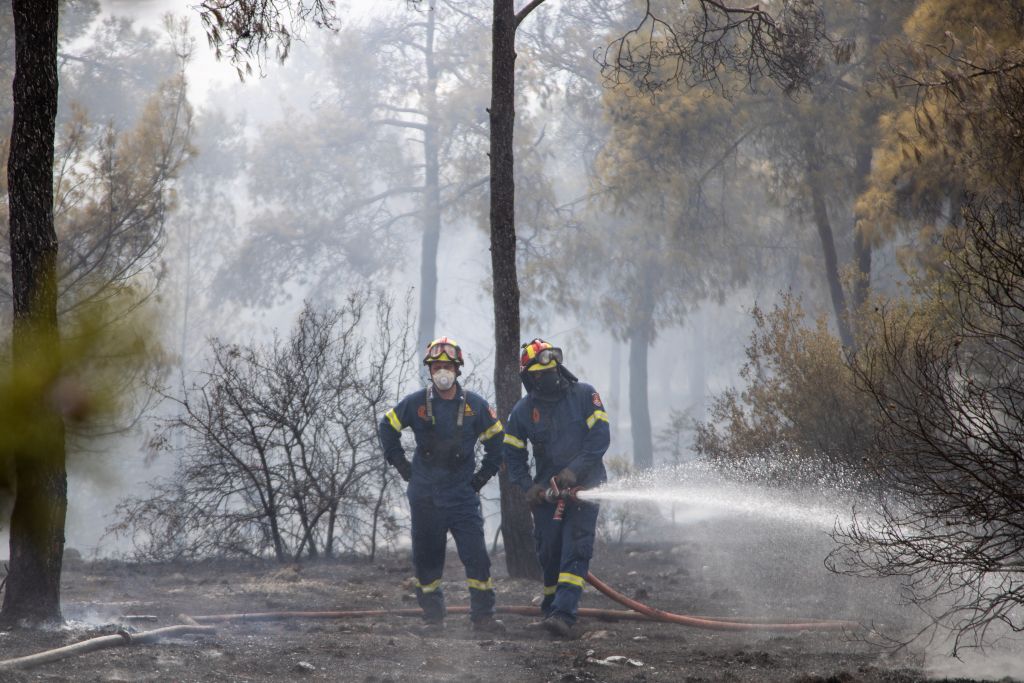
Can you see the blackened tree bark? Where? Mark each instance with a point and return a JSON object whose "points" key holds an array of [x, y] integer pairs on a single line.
{"points": [[37, 522], [640, 339], [862, 248], [516, 525], [812, 159], [698, 375], [615, 390]]}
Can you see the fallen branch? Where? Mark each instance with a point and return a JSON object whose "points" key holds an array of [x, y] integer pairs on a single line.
{"points": [[101, 643]]}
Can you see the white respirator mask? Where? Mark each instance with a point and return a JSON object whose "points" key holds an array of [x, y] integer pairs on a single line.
{"points": [[444, 379]]}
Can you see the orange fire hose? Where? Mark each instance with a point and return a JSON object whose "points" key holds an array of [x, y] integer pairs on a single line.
{"points": [[713, 623], [638, 612]]}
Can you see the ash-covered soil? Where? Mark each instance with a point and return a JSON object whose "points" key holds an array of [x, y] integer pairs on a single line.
{"points": [[722, 568]]}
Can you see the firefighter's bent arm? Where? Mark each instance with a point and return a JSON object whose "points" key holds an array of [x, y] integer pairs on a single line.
{"points": [[492, 437]]}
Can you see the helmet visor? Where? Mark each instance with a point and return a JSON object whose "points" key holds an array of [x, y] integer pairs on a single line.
{"points": [[545, 359], [548, 355], [443, 351]]}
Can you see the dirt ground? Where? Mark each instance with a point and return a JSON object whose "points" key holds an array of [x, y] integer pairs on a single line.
{"points": [[711, 568]]}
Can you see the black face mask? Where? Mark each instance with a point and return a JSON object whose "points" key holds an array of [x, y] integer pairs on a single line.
{"points": [[549, 382]]}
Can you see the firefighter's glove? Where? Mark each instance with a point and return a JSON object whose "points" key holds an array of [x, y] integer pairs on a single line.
{"points": [[566, 478], [479, 480], [535, 495], [404, 468]]}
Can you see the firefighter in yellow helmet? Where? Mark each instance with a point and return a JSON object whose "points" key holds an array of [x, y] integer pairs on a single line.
{"points": [[447, 421]]}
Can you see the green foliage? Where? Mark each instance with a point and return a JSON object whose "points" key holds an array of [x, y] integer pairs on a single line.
{"points": [[956, 124], [113, 181], [244, 30], [87, 379], [799, 396]]}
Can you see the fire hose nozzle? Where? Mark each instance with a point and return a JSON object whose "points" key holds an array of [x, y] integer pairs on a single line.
{"points": [[560, 496], [552, 496]]}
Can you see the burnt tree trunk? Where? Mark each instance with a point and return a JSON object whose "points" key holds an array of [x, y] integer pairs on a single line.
{"points": [[640, 339], [812, 160], [614, 401], [516, 524], [861, 244], [431, 194], [698, 375], [37, 522]]}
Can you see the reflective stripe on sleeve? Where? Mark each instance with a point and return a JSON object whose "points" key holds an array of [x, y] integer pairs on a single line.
{"points": [[428, 587], [487, 585], [572, 579], [595, 416], [491, 431], [550, 590], [513, 441], [392, 417]]}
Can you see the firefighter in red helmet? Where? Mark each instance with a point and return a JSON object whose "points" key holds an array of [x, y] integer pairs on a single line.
{"points": [[564, 421]]}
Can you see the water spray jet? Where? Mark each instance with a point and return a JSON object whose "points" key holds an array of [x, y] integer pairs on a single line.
{"points": [[564, 496]]}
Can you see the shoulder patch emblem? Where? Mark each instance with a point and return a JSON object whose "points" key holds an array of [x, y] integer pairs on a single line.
{"points": [[422, 412], [492, 412], [597, 400], [536, 415]]}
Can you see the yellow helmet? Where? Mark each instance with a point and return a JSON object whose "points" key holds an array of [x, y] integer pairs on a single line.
{"points": [[443, 349]]}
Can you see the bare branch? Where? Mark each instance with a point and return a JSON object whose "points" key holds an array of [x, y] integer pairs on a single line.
{"points": [[525, 11]]}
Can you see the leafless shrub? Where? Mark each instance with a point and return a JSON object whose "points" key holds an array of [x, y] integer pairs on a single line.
{"points": [[281, 456], [952, 399]]}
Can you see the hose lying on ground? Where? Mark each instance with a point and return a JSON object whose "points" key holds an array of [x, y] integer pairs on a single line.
{"points": [[102, 642], [715, 623], [637, 612]]}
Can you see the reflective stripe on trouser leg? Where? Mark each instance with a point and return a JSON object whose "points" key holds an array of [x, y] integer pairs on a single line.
{"points": [[549, 597], [547, 534], [467, 526], [481, 598], [429, 537], [577, 534]]}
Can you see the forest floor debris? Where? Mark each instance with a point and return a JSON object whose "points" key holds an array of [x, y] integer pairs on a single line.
{"points": [[391, 650]]}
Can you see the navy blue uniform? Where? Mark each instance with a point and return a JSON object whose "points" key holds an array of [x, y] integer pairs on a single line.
{"points": [[568, 432], [441, 498]]}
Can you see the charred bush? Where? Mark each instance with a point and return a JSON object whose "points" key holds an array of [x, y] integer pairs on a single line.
{"points": [[279, 455], [952, 436]]}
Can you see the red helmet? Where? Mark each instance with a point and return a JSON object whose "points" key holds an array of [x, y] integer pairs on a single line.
{"points": [[539, 355], [443, 349]]}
